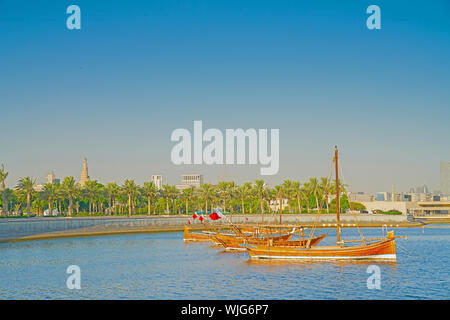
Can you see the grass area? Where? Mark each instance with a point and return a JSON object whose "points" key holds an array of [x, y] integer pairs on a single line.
{"points": [[391, 212]]}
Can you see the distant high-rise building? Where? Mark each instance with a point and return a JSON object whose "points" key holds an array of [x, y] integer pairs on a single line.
{"points": [[423, 189], [157, 181], [52, 179], [445, 177], [84, 177]]}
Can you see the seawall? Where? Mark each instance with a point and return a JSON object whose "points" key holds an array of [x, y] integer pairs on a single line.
{"points": [[19, 229]]}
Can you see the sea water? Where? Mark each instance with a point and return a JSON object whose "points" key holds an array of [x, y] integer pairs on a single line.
{"points": [[162, 266]]}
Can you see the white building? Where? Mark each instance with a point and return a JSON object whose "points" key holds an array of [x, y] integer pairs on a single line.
{"points": [[157, 181], [274, 204], [190, 180], [411, 207], [358, 197]]}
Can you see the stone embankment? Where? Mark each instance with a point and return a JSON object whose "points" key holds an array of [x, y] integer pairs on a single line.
{"points": [[22, 229]]}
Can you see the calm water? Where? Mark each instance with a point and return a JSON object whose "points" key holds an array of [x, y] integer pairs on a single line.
{"points": [[161, 266]]}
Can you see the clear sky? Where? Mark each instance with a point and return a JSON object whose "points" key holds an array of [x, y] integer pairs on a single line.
{"points": [[116, 89]]}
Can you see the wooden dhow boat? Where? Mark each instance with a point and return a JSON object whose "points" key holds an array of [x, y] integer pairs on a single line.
{"points": [[378, 248], [204, 235], [196, 236], [265, 235]]}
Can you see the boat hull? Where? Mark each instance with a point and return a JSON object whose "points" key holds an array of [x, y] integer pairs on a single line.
{"points": [[233, 243], [195, 237], [381, 250]]}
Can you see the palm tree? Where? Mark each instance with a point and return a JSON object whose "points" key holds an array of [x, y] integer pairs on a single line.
{"points": [[288, 192], [150, 191], [207, 193], [306, 192], [26, 185], [242, 193], [91, 189], [166, 194], [59, 197], [187, 195], [100, 197], [297, 192], [314, 185], [260, 190], [130, 189], [50, 193], [112, 190], [325, 188], [71, 190], [173, 194], [38, 204], [278, 192], [3, 176], [225, 190]]}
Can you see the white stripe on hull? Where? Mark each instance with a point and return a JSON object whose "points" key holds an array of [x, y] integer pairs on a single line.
{"points": [[235, 249], [370, 257]]}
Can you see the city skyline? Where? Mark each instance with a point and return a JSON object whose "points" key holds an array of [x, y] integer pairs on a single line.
{"points": [[419, 188], [116, 89]]}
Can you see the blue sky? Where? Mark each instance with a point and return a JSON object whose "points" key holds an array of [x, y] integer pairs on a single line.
{"points": [[115, 90]]}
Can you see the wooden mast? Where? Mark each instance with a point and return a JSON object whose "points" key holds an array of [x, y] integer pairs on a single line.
{"points": [[280, 195], [338, 227]]}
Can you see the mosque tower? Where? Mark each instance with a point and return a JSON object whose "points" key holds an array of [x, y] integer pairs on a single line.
{"points": [[84, 174]]}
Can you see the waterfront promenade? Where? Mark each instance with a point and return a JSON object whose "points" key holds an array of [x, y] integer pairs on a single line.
{"points": [[22, 229]]}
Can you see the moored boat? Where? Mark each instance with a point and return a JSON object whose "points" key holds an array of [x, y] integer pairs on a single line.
{"points": [[383, 249], [233, 242], [379, 248], [196, 236]]}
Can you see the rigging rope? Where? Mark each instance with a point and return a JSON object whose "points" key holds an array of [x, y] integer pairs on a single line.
{"points": [[313, 229], [350, 204], [409, 252]]}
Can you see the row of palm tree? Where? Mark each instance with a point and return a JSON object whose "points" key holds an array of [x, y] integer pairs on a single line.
{"points": [[95, 198]]}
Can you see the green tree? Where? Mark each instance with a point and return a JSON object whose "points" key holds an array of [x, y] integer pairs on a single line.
{"points": [[71, 190], [188, 195], [298, 194], [242, 193], [131, 190], [150, 191], [225, 192], [325, 189], [306, 192], [50, 193], [3, 176], [288, 192], [113, 192], [260, 190], [26, 185], [166, 191], [207, 193], [91, 188], [314, 187]]}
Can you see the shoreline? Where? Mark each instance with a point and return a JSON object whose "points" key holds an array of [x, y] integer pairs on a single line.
{"points": [[33, 229]]}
